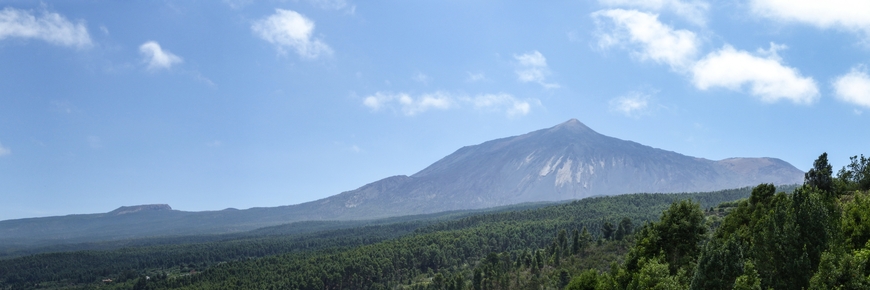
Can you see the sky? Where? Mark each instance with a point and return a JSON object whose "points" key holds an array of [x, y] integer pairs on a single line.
{"points": [[206, 105]]}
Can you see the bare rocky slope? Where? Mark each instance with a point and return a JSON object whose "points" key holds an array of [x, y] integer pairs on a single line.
{"points": [[568, 161]]}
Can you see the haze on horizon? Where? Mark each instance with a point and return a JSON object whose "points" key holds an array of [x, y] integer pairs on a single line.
{"points": [[210, 105]]}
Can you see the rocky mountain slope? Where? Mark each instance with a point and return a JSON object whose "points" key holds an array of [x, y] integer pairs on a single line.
{"points": [[568, 161]]}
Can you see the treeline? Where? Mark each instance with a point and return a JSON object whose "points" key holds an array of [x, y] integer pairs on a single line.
{"points": [[360, 258]]}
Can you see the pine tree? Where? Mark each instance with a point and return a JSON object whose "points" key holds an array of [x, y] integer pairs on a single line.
{"points": [[820, 175]]}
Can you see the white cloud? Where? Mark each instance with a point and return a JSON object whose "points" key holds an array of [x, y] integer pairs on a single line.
{"points": [[693, 11], [532, 67], [409, 105], [215, 143], [412, 105], [502, 102], [647, 37], [633, 104], [766, 76], [532, 59], [4, 151], [158, 58], [288, 29], [854, 87], [844, 14], [50, 27]]}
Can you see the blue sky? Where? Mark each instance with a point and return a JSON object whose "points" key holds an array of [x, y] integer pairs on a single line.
{"points": [[205, 105]]}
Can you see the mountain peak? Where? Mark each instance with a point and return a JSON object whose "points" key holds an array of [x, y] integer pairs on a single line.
{"points": [[573, 126]]}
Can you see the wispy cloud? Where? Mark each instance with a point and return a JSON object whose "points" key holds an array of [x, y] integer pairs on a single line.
{"points": [[238, 4], [421, 78], [532, 67], [842, 14], [693, 11], [287, 29], [764, 74], [854, 87], [334, 5], [502, 102], [158, 58], [646, 37], [633, 104], [4, 150], [475, 77], [50, 27], [411, 105]]}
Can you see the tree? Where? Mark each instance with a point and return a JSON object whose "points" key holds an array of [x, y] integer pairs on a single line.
{"points": [[562, 238], [585, 237], [575, 242], [856, 221], [719, 265], [820, 175], [778, 249], [477, 280], [438, 281], [458, 282], [762, 194], [749, 280], [624, 229], [607, 230], [564, 278], [817, 222], [857, 176], [681, 231], [654, 274], [665, 252], [842, 271], [587, 280]]}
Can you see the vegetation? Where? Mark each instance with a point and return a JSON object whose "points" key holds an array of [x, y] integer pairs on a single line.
{"points": [[402, 253]]}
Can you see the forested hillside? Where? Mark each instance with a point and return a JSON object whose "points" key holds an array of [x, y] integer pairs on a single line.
{"points": [[286, 230], [402, 253], [815, 238]]}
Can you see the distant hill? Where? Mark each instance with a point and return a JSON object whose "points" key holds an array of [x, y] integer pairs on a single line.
{"points": [[568, 161]]}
